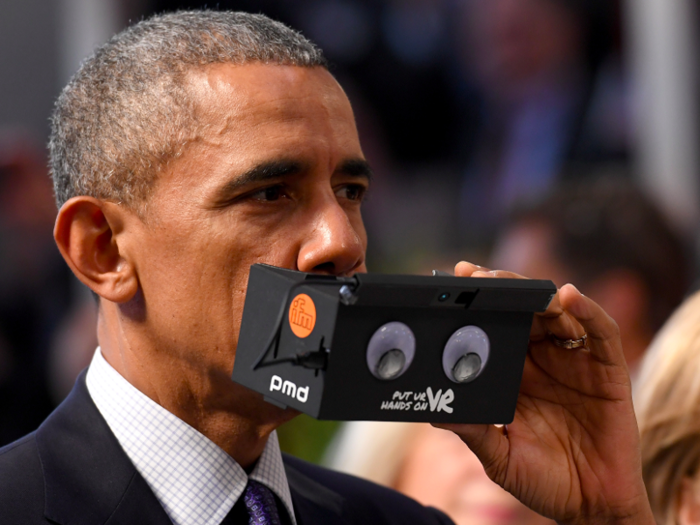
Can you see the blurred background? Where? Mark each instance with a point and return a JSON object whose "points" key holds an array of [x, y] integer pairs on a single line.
{"points": [[557, 138]]}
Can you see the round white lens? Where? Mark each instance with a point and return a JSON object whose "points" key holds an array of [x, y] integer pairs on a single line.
{"points": [[390, 350], [466, 354]]}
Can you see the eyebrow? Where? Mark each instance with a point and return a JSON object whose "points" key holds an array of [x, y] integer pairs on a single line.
{"points": [[356, 168], [270, 170], [277, 169]]}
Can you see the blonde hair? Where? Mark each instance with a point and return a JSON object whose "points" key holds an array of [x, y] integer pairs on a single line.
{"points": [[668, 408]]}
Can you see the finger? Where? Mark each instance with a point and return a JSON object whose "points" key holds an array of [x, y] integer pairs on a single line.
{"points": [[488, 443], [556, 321], [500, 274], [466, 269], [603, 332]]}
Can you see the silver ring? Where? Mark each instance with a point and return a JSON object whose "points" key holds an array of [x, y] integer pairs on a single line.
{"points": [[570, 344]]}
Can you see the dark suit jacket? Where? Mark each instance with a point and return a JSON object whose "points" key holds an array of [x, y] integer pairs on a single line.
{"points": [[72, 471]]}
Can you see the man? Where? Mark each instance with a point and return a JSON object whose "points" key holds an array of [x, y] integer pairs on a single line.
{"points": [[189, 147]]}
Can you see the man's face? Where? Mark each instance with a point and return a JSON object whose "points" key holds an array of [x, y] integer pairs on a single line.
{"points": [[277, 177]]}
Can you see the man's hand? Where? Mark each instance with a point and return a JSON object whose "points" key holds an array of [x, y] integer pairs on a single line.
{"points": [[572, 451]]}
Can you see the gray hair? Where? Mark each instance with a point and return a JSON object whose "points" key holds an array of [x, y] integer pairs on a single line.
{"points": [[126, 113]]}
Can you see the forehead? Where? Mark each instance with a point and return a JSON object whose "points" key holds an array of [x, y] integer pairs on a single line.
{"points": [[253, 114], [228, 95]]}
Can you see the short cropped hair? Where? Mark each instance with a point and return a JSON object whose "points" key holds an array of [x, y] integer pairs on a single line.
{"points": [[604, 224], [668, 411], [126, 113]]}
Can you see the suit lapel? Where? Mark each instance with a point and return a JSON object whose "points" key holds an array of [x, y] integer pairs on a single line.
{"points": [[313, 502], [89, 480], [139, 505], [88, 477]]}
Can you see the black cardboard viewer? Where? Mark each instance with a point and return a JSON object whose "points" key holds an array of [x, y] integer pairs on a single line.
{"points": [[324, 373]]}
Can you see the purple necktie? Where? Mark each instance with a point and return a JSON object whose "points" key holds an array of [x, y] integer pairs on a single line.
{"points": [[261, 504]]}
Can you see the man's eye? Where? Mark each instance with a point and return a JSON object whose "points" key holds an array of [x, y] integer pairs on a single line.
{"points": [[272, 193], [352, 192]]}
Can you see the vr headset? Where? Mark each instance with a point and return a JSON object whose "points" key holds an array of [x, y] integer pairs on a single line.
{"points": [[376, 347]]}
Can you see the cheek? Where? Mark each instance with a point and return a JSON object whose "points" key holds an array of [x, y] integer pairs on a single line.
{"points": [[193, 284]]}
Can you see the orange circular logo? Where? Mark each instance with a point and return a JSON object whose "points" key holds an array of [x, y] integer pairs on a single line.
{"points": [[302, 315]]}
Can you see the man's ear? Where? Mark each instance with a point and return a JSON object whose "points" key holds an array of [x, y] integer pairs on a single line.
{"points": [[88, 233]]}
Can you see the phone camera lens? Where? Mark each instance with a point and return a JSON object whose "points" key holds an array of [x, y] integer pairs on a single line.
{"points": [[443, 297]]}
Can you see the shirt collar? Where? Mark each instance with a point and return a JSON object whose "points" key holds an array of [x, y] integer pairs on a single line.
{"points": [[192, 477]]}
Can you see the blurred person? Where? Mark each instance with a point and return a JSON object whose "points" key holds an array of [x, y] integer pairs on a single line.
{"points": [[668, 411], [187, 148], [431, 466], [535, 65], [607, 236], [34, 285]]}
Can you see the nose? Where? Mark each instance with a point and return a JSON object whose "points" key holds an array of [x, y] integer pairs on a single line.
{"points": [[334, 246]]}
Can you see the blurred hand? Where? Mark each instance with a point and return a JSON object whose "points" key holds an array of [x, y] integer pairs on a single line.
{"points": [[572, 452]]}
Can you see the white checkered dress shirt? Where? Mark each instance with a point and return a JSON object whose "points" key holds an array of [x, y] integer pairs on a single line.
{"points": [[196, 481]]}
